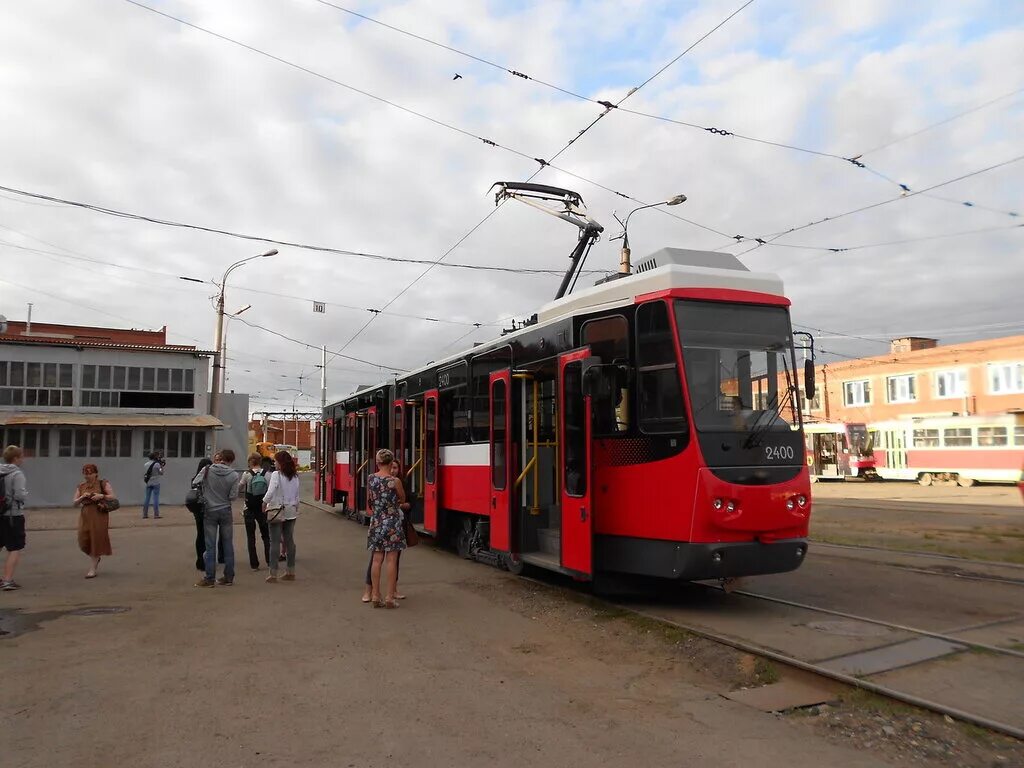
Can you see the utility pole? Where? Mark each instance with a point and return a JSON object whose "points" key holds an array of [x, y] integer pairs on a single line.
{"points": [[218, 356], [28, 322]]}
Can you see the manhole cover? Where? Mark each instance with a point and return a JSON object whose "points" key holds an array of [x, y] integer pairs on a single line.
{"points": [[99, 611], [846, 628]]}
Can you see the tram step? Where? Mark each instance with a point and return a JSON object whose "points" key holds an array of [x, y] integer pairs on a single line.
{"points": [[549, 540]]}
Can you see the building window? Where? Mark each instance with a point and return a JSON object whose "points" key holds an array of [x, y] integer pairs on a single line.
{"points": [[815, 402], [1018, 435], [94, 443], [1006, 378], [992, 436], [38, 384], [857, 392], [901, 389], [951, 384], [116, 386], [957, 438], [175, 443], [926, 438], [33, 442]]}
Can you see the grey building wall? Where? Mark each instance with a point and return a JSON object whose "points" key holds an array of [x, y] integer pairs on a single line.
{"points": [[52, 480], [234, 412]]}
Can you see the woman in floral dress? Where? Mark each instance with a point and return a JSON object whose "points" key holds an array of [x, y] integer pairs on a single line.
{"points": [[387, 535]]}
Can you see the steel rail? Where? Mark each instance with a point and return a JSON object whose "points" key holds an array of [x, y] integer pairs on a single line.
{"points": [[877, 622], [919, 553]]}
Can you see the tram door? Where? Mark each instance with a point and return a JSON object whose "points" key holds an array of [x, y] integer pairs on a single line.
{"points": [[574, 453], [431, 464], [324, 464], [500, 452], [352, 425]]}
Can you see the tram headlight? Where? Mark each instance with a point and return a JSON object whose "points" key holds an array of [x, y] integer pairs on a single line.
{"points": [[717, 503], [790, 505], [801, 500], [730, 507]]}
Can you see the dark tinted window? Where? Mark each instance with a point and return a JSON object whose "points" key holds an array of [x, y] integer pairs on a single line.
{"points": [[574, 410], [660, 393], [498, 458]]}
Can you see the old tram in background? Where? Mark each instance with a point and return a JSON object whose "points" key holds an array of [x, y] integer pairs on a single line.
{"points": [[646, 425], [838, 450]]}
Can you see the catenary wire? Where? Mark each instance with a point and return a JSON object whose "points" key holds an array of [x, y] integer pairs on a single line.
{"points": [[547, 164], [273, 241], [713, 130]]}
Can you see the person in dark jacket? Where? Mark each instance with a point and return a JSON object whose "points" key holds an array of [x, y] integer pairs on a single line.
{"points": [[197, 512], [255, 482]]}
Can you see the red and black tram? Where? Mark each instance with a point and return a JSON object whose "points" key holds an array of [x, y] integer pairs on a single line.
{"points": [[646, 425]]}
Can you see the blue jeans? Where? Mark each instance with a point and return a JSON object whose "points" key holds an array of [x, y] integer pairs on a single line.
{"points": [[152, 491], [218, 521]]}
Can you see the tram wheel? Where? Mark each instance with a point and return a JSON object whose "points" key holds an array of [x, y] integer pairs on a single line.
{"points": [[965, 482], [926, 478], [464, 539], [512, 563]]}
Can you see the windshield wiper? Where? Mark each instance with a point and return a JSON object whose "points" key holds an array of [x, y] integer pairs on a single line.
{"points": [[757, 430]]}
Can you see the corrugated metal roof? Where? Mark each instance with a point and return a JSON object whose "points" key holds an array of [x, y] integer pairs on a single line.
{"points": [[51, 418], [81, 343]]}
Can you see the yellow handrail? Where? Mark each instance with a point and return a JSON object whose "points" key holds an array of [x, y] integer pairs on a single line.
{"points": [[413, 467], [529, 465], [362, 466]]}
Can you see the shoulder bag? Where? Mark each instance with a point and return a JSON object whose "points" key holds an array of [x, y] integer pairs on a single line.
{"points": [[107, 505]]}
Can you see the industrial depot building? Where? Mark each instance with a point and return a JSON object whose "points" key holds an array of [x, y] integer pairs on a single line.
{"points": [[71, 395]]}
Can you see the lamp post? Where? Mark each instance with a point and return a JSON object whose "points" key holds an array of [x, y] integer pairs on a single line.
{"points": [[218, 357], [224, 363], [624, 266]]}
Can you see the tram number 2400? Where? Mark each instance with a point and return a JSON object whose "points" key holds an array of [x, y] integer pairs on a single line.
{"points": [[779, 453]]}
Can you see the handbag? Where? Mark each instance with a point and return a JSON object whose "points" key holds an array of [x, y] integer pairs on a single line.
{"points": [[107, 505], [411, 537]]}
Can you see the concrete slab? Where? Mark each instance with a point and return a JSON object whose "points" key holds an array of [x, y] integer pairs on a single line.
{"points": [[786, 694], [892, 656]]}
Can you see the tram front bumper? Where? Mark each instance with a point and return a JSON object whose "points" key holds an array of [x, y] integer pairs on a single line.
{"points": [[689, 561]]}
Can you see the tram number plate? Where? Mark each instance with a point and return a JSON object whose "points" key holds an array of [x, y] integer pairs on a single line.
{"points": [[779, 453]]}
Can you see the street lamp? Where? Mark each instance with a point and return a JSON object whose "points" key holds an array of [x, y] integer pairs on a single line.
{"points": [[224, 363], [624, 266], [218, 357]]}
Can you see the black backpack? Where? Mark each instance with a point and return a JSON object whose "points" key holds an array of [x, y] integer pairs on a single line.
{"points": [[149, 471], [5, 503]]}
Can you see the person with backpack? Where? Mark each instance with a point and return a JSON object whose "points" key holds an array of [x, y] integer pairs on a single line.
{"points": [[153, 473], [12, 514], [254, 485]]}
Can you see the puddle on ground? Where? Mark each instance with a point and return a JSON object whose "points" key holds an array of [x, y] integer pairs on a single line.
{"points": [[14, 622]]}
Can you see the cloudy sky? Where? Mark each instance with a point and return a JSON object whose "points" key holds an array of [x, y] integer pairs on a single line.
{"points": [[108, 103]]}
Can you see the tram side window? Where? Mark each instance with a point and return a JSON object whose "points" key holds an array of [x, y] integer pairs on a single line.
{"points": [[608, 339], [498, 458], [454, 417], [483, 366], [575, 430], [660, 394], [429, 439]]}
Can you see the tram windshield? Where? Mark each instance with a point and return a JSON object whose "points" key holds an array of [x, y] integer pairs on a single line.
{"points": [[740, 367]]}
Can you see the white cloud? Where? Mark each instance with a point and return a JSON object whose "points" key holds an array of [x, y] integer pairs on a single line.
{"points": [[114, 105]]}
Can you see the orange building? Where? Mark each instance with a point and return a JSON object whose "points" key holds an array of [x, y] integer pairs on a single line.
{"points": [[920, 378], [297, 432]]}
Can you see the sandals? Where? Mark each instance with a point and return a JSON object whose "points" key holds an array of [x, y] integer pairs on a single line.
{"points": [[390, 603], [91, 575]]}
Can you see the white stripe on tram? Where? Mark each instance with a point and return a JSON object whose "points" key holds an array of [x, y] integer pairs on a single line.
{"points": [[474, 455]]}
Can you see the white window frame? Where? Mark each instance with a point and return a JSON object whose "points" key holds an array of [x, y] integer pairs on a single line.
{"points": [[955, 375], [1011, 389], [909, 390], [854, 385]]}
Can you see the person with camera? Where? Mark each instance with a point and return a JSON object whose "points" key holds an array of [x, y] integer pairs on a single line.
{"points": [[154, 471]]}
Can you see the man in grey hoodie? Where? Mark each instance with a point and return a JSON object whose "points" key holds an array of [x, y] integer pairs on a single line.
{"points": [[220, 487], [12, 513]]}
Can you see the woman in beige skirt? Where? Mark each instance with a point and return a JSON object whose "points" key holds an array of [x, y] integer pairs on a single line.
{"points": [[93, 525]]}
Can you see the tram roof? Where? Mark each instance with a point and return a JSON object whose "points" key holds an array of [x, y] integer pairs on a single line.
{"points": [[662, 270]]}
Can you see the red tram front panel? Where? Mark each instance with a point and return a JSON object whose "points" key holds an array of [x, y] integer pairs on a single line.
{"points": [[500, 465], [576, 465]]}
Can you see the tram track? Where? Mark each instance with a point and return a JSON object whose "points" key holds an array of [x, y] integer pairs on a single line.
{"points": [[879, 622], [949, 574], [755, 649], [818, 545]]}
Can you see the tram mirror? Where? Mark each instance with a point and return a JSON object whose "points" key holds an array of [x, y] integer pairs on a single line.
{"points": [[809, 389], [599, 381]]}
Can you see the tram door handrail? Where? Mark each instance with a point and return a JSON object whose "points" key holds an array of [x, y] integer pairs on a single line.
{"points": [[534, 443]]}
